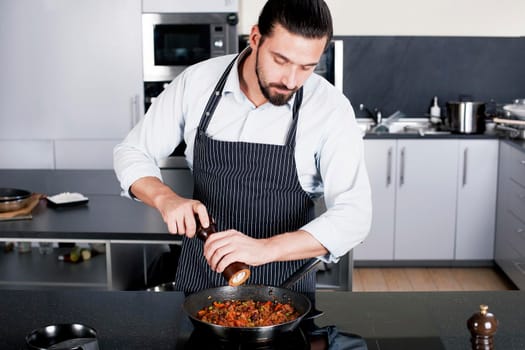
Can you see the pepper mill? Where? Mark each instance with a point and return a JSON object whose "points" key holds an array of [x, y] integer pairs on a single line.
{"points": [[237, 272], [482, 326]]}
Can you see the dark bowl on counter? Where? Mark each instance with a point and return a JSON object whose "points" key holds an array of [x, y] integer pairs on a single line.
{"points": [[12, 199]]}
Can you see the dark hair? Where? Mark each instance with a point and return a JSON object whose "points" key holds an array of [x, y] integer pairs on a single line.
{"points": [[308, 18]]}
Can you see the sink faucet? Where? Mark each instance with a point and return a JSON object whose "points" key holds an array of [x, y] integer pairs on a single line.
{"points": [[376, 115]]}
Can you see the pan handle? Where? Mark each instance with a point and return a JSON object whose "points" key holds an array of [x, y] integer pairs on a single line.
{"points": [[297, 275]]}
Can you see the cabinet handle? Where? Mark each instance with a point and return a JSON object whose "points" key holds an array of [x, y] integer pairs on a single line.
{"points": [[402, 168], [389, 167], [134, 110], [465, 154], [520, 230], [522, 162]]}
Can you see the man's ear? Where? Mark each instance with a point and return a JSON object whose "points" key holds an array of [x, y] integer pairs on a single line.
{"points": [[255, 37]]}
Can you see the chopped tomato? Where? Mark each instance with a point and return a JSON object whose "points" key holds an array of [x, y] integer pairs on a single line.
{"points": [[247, 313]]}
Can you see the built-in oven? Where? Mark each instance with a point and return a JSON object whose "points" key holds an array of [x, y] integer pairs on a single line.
{"points": [[174, 41]]}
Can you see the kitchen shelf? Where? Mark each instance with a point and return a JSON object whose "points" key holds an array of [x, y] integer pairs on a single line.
{"points": [[33, 270]]}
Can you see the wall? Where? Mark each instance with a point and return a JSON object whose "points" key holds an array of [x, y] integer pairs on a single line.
{"points": [[414, 17], [398, 55]]}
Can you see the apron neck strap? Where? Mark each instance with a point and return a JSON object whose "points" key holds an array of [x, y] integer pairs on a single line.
{"points": [[290, 140], [215, 97]]}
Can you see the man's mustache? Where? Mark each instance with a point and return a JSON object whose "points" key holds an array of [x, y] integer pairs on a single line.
{"points": [[282, 87]]}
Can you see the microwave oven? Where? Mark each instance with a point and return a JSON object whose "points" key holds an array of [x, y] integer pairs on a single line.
{"points": [[174, 41]]}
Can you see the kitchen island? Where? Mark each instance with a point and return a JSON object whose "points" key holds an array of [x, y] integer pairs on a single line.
{"points": [[148, 320], [133, 233]]}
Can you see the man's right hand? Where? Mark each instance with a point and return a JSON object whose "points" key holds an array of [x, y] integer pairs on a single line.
{"points": [[177, 212]]}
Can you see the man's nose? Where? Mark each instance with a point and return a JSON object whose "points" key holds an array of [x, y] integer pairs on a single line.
{"points": [[290, 78]]}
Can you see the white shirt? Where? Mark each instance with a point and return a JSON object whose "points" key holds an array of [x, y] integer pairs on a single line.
{"points": [[328, 151]]}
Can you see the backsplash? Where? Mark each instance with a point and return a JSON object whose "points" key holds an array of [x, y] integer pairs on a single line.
{"points": [[404, 73]]}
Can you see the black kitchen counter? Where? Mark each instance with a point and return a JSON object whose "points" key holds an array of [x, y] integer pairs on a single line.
{"points": [[516, 143], [415, 135], [147, 320], [104, 217]]}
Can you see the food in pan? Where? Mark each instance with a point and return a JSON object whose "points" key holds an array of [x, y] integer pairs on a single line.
{"points": [[247, 313]]}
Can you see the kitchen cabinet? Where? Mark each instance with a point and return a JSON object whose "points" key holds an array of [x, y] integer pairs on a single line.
{"points": [[433, 200], [380, 159], [414, 200], [510, 221], [70, 71], [476, 200], [425, 199], [27, 154]]}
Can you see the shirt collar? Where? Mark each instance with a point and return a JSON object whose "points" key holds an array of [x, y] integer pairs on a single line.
{"points": [[233, 86]]}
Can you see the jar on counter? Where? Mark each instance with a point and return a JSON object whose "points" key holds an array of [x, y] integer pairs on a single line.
{"points": [[24, 247]]}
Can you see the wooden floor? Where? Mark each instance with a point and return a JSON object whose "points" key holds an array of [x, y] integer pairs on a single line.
{"points": [[429, 279]]}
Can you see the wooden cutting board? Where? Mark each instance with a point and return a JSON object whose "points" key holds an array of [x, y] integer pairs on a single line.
{"points": [[22, 213]]}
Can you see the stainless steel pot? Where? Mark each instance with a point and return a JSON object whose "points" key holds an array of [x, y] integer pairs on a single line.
{"points": [[466, 117]]}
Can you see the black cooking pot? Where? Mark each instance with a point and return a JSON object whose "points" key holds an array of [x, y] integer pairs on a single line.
{"points": [[67, 336], [197, 301]]}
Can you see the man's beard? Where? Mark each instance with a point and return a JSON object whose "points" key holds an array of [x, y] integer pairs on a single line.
{"points": [[275, 99]]}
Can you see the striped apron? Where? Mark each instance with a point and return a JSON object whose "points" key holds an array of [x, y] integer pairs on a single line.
{"points": [[250, 187]]}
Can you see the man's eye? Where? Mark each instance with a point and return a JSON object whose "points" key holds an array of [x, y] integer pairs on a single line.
{"points": [[280, 60]]}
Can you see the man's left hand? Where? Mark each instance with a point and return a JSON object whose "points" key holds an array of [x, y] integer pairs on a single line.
{"points": [[223, 248]]}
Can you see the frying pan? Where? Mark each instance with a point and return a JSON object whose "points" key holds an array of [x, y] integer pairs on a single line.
{"points": [[197, 301], [67, 336], [13, 199]]}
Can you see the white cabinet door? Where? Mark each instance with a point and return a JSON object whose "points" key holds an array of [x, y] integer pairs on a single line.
{"points": [[381, 164], [70, 69], [426, 199], [476, 212]]}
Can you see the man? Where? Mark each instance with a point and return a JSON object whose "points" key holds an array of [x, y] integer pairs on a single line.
{"points": [[272, 137]]}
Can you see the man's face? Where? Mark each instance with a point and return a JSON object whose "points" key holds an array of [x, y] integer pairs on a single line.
{"points": [[283, 63]]}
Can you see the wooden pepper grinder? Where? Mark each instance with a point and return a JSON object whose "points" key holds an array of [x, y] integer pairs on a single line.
{"points": [[482, 326], [236, 273]]}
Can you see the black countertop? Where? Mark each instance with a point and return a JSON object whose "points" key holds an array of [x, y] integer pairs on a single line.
{"points": [[517, 143], [104, 217], [147, 320], [415, 135]]}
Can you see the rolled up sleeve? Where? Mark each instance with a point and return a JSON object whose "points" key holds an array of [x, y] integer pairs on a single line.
{"points": [[347, 195]]}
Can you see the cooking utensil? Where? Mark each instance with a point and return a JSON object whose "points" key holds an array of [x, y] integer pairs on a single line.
{"points": [[197, 301], [514, 128], [13, 199], [68, 336], [516, 109], [466, 117], [237, 272], [164, 287]]}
